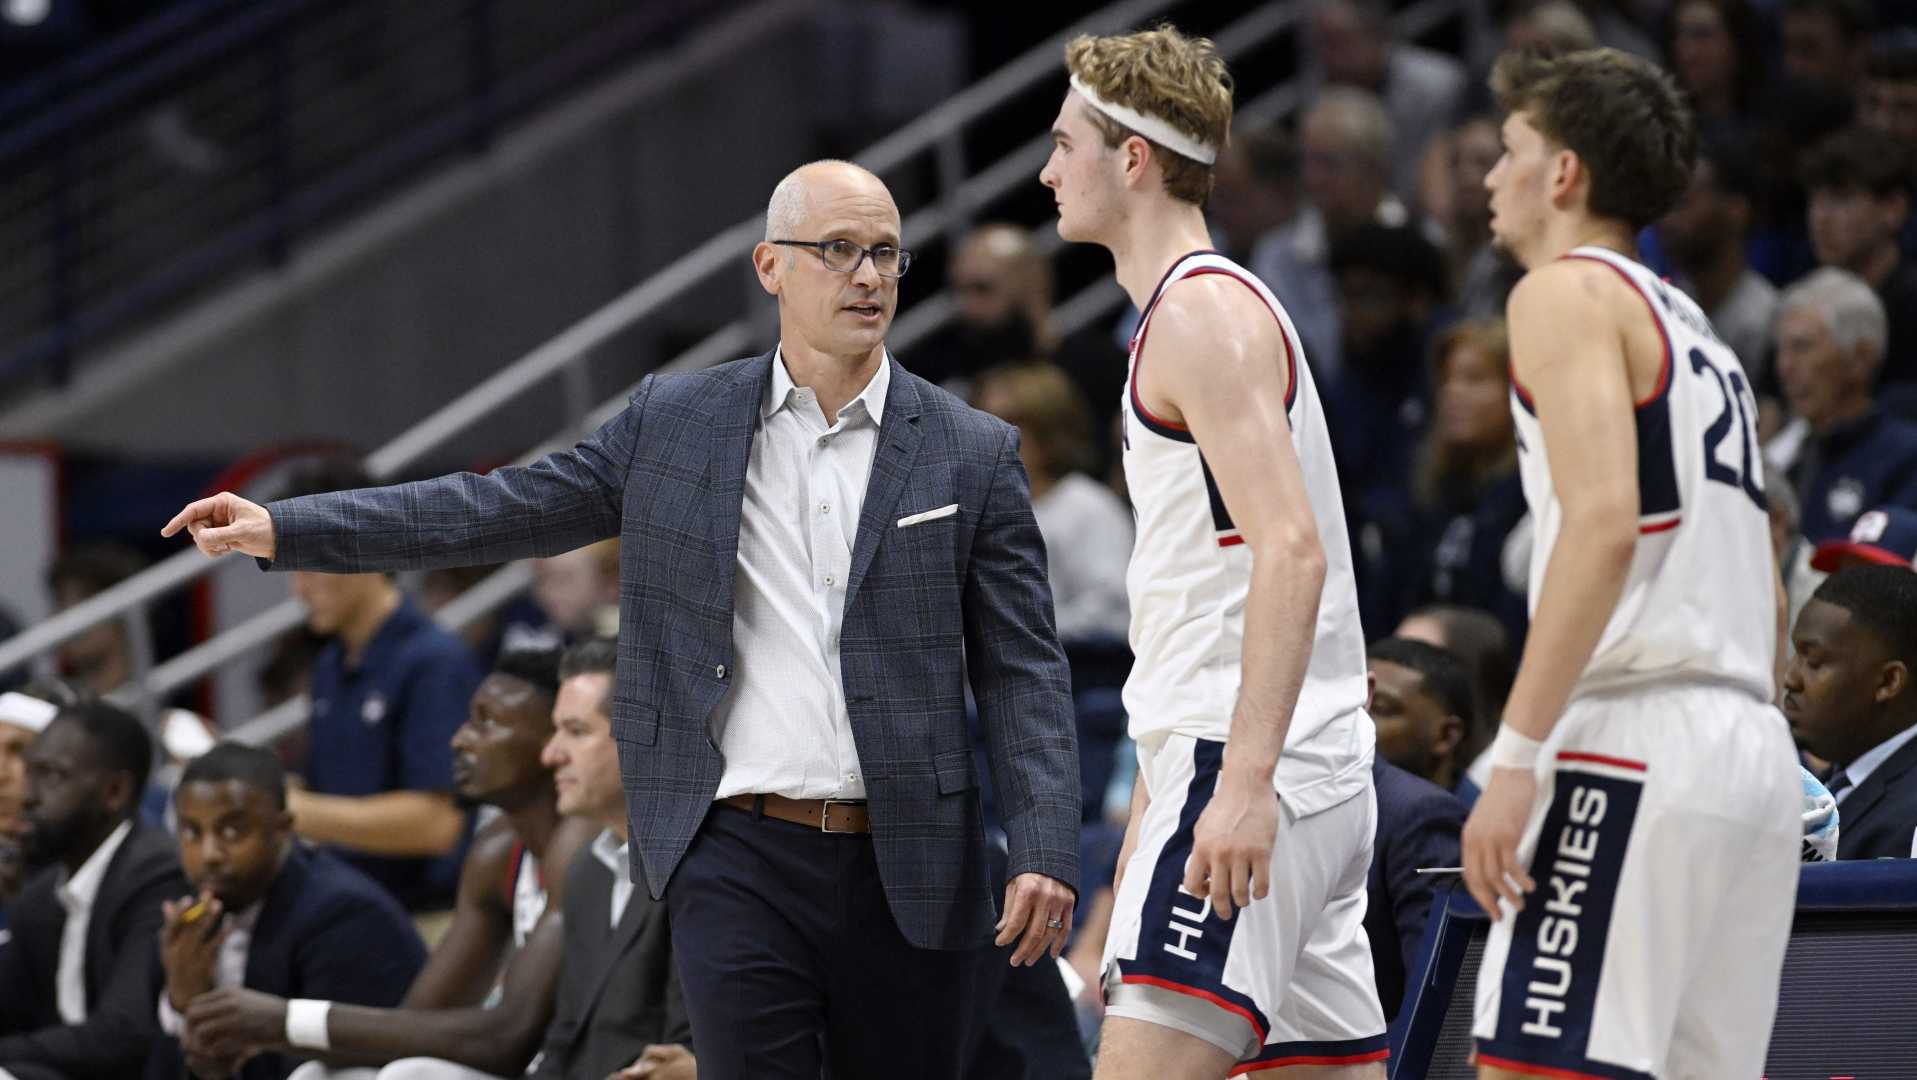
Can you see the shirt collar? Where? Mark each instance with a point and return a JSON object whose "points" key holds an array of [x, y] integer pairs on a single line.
{"points": [[78, 892], [872, 399], [1869, 761], [613, 853]]}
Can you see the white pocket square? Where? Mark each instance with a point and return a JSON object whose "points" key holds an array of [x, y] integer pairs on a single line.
{"points": [[929, 515]]}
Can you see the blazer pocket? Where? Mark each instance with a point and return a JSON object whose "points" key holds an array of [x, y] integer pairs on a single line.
{"points": [[635, 723], [957, 771], [929, 515]]}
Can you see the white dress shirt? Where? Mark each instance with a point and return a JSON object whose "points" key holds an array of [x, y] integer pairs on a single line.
{"points": [[1868, 762], [615, 856], [229, 967], [77, 894], [783, 724]]}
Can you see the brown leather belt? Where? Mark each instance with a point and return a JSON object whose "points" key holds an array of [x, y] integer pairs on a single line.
{"points": [[825, 815]]}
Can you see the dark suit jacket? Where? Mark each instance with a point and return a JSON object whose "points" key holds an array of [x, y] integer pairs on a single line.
{"points": [[1878, 818], [667, 476], [1418, 826], [122, 950], [325, 931], [617, 990]]}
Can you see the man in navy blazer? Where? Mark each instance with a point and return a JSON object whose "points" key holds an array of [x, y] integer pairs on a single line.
{"points": [[73, 1000], [818, 548], [269, 914], [1850, 699]]}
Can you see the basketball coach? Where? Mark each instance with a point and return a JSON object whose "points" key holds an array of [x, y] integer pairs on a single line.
{"points": [[817, 547]]}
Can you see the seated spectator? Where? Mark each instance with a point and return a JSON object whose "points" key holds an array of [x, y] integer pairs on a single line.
{"points": [[76, 1000], [505, 935], [1826, 43], [99, 660], [1456, 201], [22, 719], [1859, 188], [1003, 291], [1421, 89], [1705, 237], [1849, 698], [270, 914], [1087, 529], [1390, 280], [388, 692], [1345, 157], [1842, 452], [1889, 104], [1418, 827], [1716, 51], [1425, 708], [579, 590], [1467, 498]]}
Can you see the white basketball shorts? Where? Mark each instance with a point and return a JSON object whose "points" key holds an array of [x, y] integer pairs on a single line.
{"points": [[1288, 981], [1664, 844]]}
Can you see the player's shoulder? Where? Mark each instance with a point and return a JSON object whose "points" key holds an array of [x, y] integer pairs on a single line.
{"points": [[1213, 310], [1569, 282]]}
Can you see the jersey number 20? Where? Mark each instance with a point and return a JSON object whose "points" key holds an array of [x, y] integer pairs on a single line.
{"points": [[1734, 414]]}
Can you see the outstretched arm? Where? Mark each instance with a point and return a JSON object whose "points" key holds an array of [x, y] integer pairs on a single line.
{"points": [[1219, 361], [563, 501], [1568, 352]]}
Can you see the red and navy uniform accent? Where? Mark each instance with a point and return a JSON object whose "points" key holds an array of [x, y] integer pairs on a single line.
{"points": [[1228, 535], [1335, 1052], [1203, 935], [1660, 506], [1551, 975]]}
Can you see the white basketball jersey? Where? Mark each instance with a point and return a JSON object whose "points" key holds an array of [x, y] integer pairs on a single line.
{"points": [[1698, 600], [1191, 572]]}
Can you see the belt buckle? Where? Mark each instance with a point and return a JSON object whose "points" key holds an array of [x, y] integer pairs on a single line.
{"points": [[825, 814]]}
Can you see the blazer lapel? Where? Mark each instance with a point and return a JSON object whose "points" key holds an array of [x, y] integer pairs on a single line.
{"points": [[641, 909], [265, 972], [899, 438], [1872, 790], [734, 422]]}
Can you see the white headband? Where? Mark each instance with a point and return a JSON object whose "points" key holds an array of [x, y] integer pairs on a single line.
{"points": [[26, 712], [1150, 127]]}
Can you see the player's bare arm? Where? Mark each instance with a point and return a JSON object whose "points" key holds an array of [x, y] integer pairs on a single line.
{"points": [[1569, 352], [1217, 364]]}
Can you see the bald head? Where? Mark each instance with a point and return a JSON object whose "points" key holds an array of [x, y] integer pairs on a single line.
{"points": [[998, 269], [794, 200]]}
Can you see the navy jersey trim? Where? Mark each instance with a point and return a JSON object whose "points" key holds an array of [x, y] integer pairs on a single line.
{"points": [[1228, 535], [1167, 428]]}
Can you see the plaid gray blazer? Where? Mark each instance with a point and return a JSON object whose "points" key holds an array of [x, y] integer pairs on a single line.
{"points": [[923, 605]]}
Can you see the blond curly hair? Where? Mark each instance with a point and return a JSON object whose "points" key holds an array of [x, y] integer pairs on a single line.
{"points": [[1180, 80]]}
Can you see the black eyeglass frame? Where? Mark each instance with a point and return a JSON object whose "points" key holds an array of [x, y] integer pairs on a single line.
{"points": [[818, 247]]}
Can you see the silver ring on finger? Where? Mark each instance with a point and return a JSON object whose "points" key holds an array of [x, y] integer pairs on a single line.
{"points": [[1056, 924]]}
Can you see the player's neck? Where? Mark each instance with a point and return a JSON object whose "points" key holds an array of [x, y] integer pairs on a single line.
{"points": [[1564, 235], [1159, 232]]}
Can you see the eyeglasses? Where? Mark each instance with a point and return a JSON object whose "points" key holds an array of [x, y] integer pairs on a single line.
{"points": [[845, 256]]}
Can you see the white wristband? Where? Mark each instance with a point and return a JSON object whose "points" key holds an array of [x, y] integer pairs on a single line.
{"points": [[306, 1023], [1513, 749]]}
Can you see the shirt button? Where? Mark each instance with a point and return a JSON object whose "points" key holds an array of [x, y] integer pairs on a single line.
{"points": [[720, 671], [851, 778], [828, 581], [825, 508]]}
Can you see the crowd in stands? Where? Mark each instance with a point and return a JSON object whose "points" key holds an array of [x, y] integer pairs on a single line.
{"points": [[175, 908]]}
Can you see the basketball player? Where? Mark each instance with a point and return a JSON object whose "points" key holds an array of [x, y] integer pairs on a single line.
{"points": [[1644, 791], [1237, 942]]}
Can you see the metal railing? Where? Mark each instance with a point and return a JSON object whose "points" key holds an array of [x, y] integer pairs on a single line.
{"points": [[214, 134], [940, 131]]}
